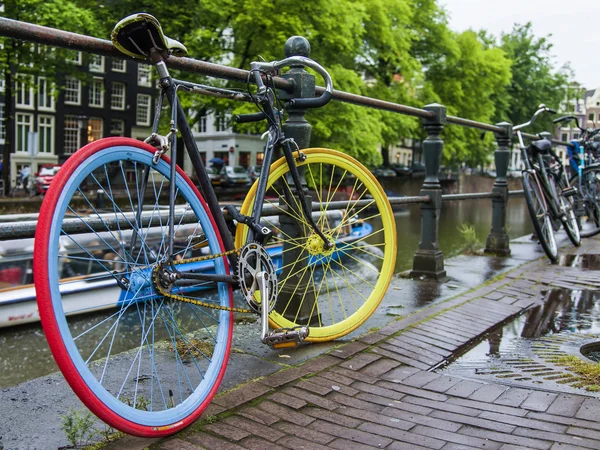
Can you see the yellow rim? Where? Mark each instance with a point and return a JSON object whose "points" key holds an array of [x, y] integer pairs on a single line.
{"points": [[344, 296]]}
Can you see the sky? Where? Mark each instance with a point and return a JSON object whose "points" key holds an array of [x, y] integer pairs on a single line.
{"points": [[574, 27]]}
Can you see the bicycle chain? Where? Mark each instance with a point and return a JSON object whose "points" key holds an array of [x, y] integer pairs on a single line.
{"points": [[181, 298]]}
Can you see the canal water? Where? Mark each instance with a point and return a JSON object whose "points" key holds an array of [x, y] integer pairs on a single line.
{"points": [[25, 354]]}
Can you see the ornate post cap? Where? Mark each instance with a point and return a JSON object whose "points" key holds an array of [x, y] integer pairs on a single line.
{"points": [[296, 46]]}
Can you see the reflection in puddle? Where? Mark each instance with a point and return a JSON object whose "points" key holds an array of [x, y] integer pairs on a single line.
{"points": [[588, 261]]}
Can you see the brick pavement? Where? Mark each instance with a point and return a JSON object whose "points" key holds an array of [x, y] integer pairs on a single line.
{"points": [[380, 392]]}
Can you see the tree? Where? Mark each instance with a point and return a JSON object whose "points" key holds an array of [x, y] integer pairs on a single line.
{"points": [[26, 60]]}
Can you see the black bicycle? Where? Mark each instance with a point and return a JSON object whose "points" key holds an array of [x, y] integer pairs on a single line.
{"points": [[126, 237], [548, 194]]}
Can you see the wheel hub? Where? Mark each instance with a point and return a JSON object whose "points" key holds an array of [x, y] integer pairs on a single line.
{"points": [[316, 247]]}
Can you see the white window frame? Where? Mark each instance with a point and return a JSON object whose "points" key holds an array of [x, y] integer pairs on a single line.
{"points": [[119, 65], [202, 124], [95, 64], [76, 89], [45, 91], [29, 127], [113, 96], [144, 75], [95, 85], [121, 131], [77, 61], [24, 96], [42, 134], [70, 132], [90, 130], [144, 121]]}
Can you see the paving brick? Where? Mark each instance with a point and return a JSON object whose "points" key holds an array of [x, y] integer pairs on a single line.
{"points": [[287, 400], [565, 405], [406, 446], [556, 437], [354, 375], [505, 438], [354, 402], [403, 359], [471, 441], [464, 389], [539, 401], [402, 436], [442, 384], [336, 377], [474, 421], [488, 393], [312, 366], [286, 413], [311, 398], [582, 432], [256, 443], [411, 407], [380, 367], [382, 419], [240, 396], [559, 446], [255, 428], [333, 383], [442, 406], [258, 415], [420, 419], [229, 432], [400, 373], [377, 399], [332, 417], [456, 329], [589, 410], [347, 350], [406, 340], [418, 354], [488, 406], [301, 444], [179, 444], [413, 391], [316, 388], [372, 338], [352, 434], [343, 444], [304, 432], [565, 420], [513, 397], [420, 379], [524, 422], [431, 330], [359, 361], [377, 390], [413, 333]]}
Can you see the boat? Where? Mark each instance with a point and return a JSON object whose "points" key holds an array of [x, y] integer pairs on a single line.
{"points": [[17, 293]]}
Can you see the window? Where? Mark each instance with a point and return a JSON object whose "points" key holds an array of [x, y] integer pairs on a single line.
{"points": [[143, 109], [24, 92], [24, 124], [576, 136], [221, 122], [74, 57], [119, 65], [2, 125], [45, 97], [94, 129], [117, 127], [202, 124], [144, 78], [564, 137], [72, 91], [96, 63], [96, 93], [72, 135], [117, 96], [591, 117], [46, 134]]}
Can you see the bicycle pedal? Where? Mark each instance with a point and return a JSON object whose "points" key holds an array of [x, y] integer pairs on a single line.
{"points": [[286, 337], [569, 191]]}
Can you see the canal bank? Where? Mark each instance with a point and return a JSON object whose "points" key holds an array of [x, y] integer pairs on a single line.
{"points": [[31, 412]]}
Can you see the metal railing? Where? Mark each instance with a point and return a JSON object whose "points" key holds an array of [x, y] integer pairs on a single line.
{"points": [[428, 260]]}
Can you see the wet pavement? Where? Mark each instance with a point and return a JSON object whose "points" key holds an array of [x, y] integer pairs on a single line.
{"points": [[31, 411]]}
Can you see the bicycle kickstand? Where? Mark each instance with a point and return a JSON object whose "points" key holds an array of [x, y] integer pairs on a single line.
{"points": [[283, 337]]}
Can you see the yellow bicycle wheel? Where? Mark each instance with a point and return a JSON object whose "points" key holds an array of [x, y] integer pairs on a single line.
{"points": [[331, 289]]}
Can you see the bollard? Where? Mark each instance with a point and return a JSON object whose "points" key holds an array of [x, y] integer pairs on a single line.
{"points": [[295, 292], [498, 242], [429, 260]]}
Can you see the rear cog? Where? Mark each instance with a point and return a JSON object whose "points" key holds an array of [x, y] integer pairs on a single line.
{"points": [[253, 258]]}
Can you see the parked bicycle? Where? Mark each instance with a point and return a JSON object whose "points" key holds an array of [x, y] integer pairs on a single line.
{"points": [[123, 221], [548, 194], [585, 176]]}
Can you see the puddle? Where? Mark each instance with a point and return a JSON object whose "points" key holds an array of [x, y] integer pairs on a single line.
{"points": [[587, 261], [525, 349]]}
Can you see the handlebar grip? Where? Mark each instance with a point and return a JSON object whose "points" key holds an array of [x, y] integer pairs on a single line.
{"points": [[253, 117], [551, 111], [316, 102]]}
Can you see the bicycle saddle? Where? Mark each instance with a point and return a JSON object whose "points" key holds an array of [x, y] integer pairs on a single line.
{"points": [[137, 34], [542, 146]]}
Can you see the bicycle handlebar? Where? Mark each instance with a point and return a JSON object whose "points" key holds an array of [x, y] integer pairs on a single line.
{"points": [[542, 108]]}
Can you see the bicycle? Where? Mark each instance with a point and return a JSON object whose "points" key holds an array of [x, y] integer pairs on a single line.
{"points": [[548, 195], [122, 220], [585, 175]]}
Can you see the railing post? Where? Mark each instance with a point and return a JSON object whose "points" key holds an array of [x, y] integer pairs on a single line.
{"points": [[298, 128], [498, 242], [429, 260]]}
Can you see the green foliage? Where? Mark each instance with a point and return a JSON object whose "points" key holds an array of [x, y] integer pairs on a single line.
{"points": [[78, 427], [469, 236]]}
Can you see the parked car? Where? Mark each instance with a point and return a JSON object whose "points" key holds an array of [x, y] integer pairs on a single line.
{"points": [[234, 176], [401, 170], [254, 172], [418, 168], [45, 176], [383, 171], [214, 175]]}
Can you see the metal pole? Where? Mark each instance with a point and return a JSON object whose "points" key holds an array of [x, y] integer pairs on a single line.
{"points": [[429, 260], [498, 242]]}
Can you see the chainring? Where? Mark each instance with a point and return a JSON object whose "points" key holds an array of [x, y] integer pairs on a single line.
{"points": [[253, 258]]}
